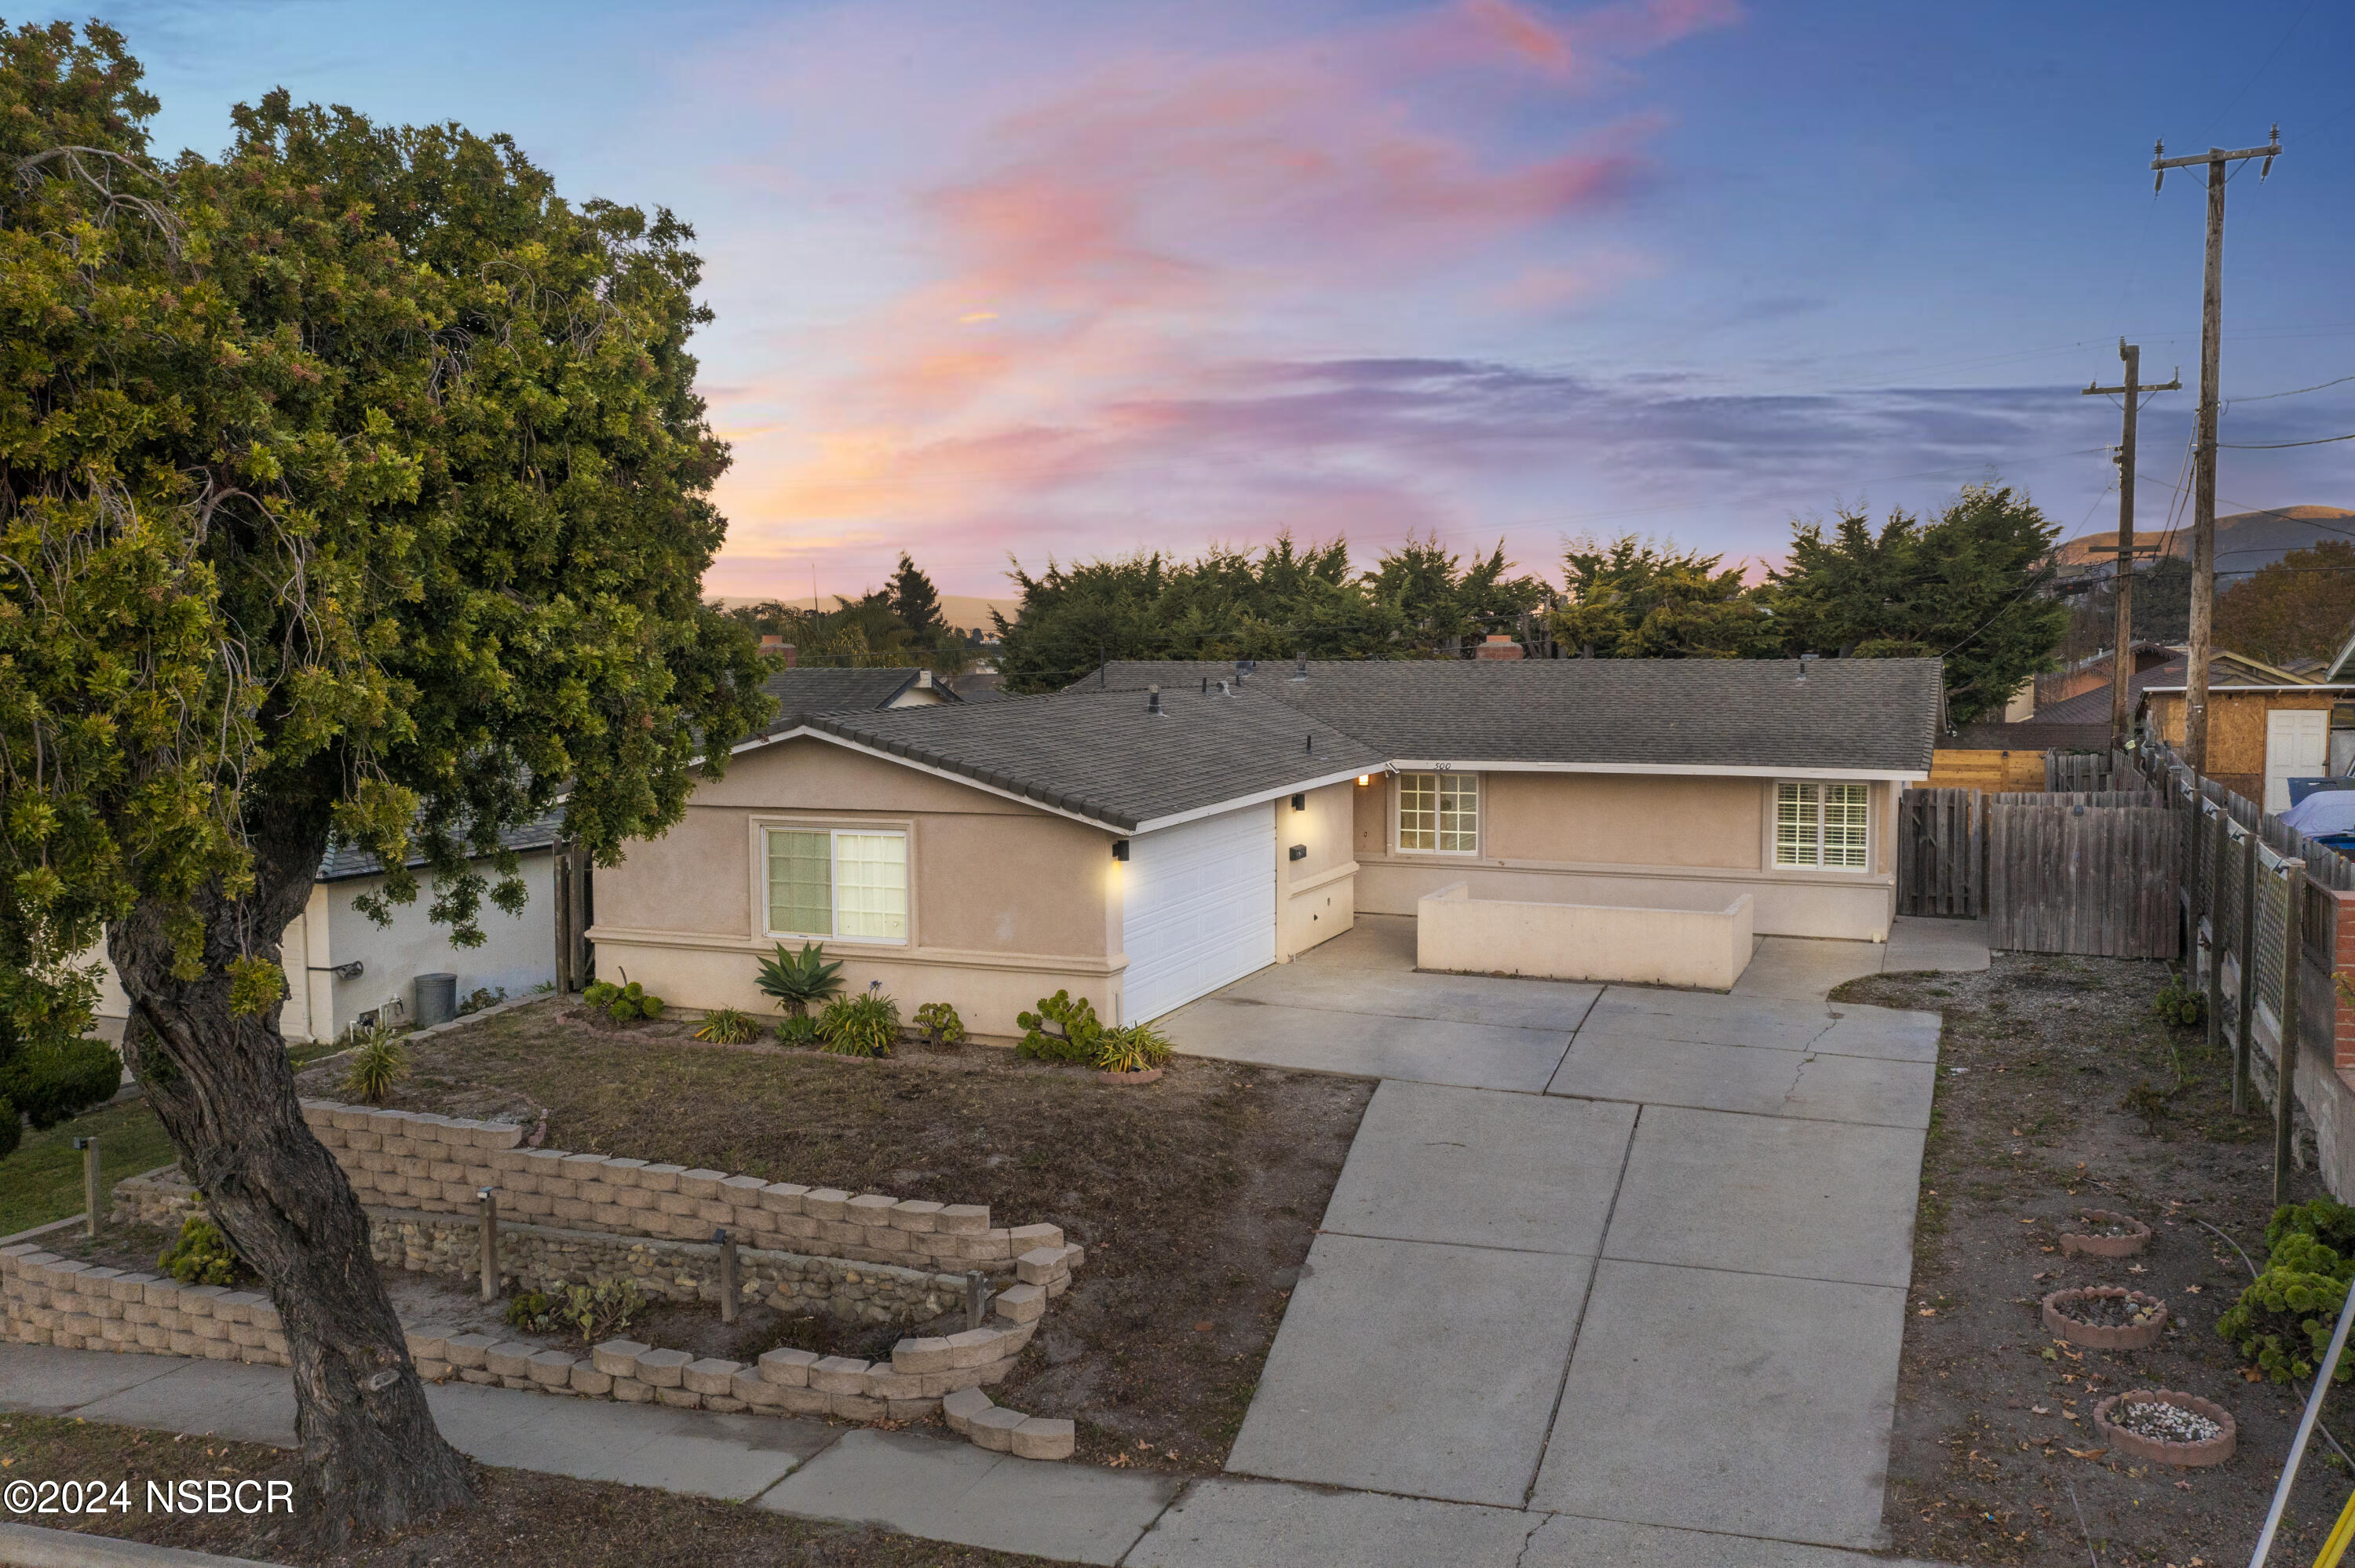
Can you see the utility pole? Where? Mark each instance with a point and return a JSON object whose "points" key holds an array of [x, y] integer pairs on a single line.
{"points": [[2122, 667], [2203, 484]]}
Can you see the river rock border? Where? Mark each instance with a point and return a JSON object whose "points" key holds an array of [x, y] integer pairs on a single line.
{"points": [[2134, 1444], [2138, 1237], [2101, 1336]]}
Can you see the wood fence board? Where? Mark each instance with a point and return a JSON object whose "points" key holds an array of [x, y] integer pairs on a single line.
{"points": [[2082, 878]]}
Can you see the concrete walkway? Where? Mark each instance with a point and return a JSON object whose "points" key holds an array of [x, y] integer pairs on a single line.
{"points": [[1635, 1259]]}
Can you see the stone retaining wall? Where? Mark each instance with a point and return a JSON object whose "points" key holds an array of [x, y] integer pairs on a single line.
{"points": [[46, 1300], [409, 1160]]}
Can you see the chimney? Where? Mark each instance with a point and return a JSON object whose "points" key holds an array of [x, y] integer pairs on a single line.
{"points": [[774, 643], [1153, 699], [1499, 645]]}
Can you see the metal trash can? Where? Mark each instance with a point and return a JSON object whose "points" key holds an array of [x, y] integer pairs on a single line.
{"points": [[437, 1000]]}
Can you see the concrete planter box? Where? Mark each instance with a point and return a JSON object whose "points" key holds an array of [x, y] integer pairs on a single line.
{"points": [[1703, 948], [2127, 1245], [2134, 1445], [2060, 1306]]}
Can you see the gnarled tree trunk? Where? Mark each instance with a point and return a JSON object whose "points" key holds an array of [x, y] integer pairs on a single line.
{"points": [[220, 1082]]}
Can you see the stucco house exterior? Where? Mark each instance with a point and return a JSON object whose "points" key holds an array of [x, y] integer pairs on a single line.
{"points": [[1165, 828], [341, 966]]}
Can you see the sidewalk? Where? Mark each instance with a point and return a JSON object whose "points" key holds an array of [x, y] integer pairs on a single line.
{"points": [[942, 1489]]}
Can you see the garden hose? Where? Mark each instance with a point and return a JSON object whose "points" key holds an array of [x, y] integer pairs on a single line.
{"points": [[2335, 1547]]}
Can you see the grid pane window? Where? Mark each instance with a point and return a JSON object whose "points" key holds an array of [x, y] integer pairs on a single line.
{"points": [[1822, 825], [801, 882], [1439, 811], [847, 884], [870, 874]]}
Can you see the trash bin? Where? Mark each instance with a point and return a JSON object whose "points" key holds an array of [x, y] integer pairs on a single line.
{"points": [[437, 1000]]}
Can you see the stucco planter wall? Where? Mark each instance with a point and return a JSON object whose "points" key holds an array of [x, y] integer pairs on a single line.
{"points": [[2060, 1306], [2134, 1445]]}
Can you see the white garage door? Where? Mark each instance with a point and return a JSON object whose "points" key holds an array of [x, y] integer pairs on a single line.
{"points": [[1198, 909]]}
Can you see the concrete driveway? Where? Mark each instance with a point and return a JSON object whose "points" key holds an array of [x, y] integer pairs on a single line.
{"points": [[1611, 1253]]}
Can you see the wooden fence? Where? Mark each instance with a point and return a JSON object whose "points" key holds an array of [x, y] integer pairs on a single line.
{"points": [[2076, 770], [2066, 874], [1942, 853], [1957, 769]]}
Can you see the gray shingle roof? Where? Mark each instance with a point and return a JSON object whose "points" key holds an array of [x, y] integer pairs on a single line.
{"points": [[340, 865], [1868, 714], [818, 690], [1103, 755]]}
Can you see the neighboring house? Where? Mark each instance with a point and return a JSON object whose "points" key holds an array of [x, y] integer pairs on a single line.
{"points": [[815, 688], [1142, 848], [2265, 726], [342, 967]]}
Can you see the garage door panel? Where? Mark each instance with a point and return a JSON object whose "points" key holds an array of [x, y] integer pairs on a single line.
{"points": [[1198, 909]]}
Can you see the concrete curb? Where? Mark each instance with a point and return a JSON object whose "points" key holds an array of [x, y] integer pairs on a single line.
{"points": [[28, 1546]]}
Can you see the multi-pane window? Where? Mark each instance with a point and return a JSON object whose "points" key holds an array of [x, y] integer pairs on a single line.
{"points": [[1440, 813], [845, 883], [1821, 825]]}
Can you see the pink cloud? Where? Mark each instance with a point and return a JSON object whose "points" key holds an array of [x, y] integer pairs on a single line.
{"points": [[1108, 255]]}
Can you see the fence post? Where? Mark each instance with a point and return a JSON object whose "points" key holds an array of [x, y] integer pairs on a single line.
{"points": [[2286, 1050], [2246, 1012], [727, 1275], [2222, 842], [490, 1237]]}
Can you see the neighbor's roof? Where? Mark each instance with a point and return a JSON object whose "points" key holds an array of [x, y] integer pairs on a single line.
{"points": [[340, 865], [2226, 672], [1864, 715], [1101, 756], [805, 690]]}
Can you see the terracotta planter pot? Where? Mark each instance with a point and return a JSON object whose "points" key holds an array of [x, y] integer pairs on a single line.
{"points": [[2095, 1336], [1143, 1076], [2134, 1445], [2105, 1246]]}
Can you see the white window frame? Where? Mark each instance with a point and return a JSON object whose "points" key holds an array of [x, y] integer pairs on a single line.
{"points": [[836, 833], [1398, 811], [1819, 791]]}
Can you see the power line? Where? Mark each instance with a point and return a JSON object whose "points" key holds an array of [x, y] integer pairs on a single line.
{"points": [[2293, 392], [2281, 446]]}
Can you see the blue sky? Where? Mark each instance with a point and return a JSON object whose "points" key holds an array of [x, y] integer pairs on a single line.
{"points": [[1086, 277]]}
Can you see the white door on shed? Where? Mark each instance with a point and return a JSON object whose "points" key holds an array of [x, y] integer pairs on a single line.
{"points": [[1198, 909], [2297, 745]]}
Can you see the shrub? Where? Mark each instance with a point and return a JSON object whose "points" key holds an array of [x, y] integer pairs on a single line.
{"points": [[727, 1026], [2284, 1320], [2180, 1003], [623, 1004], [1133, 1049], [1078, 1034], [797, 1028], [202, 1255], [940, 1024], [861, 1025], [379, 1061], [50, 1084], [800, 981], [482, 997], [595, 1314]]}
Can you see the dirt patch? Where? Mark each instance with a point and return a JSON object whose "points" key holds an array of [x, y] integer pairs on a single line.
{"points": [[1995, 1457], [1196, 1197], [525, 1519]]}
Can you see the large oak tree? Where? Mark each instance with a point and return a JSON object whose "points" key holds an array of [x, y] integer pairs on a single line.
{"points": [[353, 486]]}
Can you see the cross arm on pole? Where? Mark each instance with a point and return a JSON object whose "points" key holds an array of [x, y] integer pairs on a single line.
{"points": [[2174, 386], [2160, 162]]}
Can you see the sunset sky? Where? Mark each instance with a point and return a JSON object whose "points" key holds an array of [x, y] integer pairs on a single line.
{"points": [[1075, 279]]}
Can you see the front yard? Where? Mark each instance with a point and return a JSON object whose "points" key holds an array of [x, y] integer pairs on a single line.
{"points": [[1196, 1197], [1994, 1459]]}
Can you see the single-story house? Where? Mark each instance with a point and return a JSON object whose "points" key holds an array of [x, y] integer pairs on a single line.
{"points": [[1144, 846], [342, 967]]}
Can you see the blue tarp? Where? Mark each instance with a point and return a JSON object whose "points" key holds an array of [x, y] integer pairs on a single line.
{"points": [[2323, 813]]}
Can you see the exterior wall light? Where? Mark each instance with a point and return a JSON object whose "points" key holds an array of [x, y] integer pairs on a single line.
{"points": [[1120, 849]]}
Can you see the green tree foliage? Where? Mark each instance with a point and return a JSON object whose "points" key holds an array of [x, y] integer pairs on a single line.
{"points": [[1962, 586], [354, 484], [2300, 607], [1230, 604], [1633, 599], [915, 602]]}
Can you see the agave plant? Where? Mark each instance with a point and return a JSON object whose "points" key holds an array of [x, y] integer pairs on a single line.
{"points": [[800, 981]]}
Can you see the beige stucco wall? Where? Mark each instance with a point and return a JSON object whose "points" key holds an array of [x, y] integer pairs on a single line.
{"points": [[1642, 945], [1007, 903], [1320, 888], [1639, 841]]}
